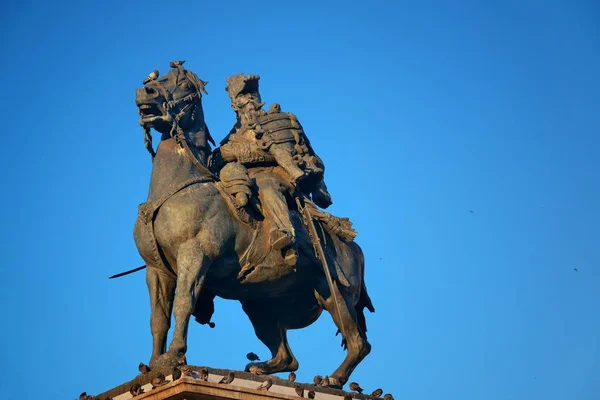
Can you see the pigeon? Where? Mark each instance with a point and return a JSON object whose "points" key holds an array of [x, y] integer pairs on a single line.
{"points": [[143, 368], [317, 380], [311, 394], [176, 373], [228, 379], [158, 380], [347, 397], [151, 77], [136, 389], [377, 393], [388, 397], [356, 387], [175, 64], [83, 396], [252, 356], [324, 382], [204, 374], [266, 385], [299, 390], [292, 377], [186, 370]]}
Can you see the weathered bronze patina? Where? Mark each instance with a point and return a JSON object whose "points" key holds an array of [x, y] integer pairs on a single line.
{"points": [[235, 222]]}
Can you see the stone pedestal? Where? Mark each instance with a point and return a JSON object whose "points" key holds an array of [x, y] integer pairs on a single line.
{"points": [[244, 387]]}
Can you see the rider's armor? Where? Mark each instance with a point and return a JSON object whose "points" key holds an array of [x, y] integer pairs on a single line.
{"points": [[262, 140]]}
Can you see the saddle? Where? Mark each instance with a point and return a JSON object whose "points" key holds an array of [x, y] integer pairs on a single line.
{"points": [[241, 194]]}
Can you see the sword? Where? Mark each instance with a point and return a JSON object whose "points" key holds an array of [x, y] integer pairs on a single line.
{"points": [[312, 232], [131, 271]]}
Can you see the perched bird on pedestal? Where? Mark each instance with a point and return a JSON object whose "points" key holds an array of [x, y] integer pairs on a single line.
{"points": [[292, 377], [299, 390], [158, 380], [228, 379], [176, 373], [311, 394], [347, 397], [204, 374], [388, 397], [377, 393], [187, 370], [317, 380], [356, 387], [136, 389]]}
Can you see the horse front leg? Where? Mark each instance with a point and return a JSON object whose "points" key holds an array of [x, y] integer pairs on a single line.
{"points": [[192, 266], [161, 288]]}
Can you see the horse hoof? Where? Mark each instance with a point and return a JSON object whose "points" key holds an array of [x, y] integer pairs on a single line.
{"points": [[333, 383], [165, 363]]}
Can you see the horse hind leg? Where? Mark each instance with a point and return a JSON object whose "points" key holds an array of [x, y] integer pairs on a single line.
{"points": [[192, 266], [269, 330], [161, 288], [346, 320]]}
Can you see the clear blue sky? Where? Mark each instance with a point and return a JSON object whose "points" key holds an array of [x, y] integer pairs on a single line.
{"points": [[422, 114]]}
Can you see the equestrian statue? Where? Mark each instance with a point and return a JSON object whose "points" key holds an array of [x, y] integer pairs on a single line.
{"points": [[242, 222]]}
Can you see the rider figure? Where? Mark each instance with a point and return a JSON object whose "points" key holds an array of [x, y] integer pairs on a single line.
{"points": [[278, 154]]}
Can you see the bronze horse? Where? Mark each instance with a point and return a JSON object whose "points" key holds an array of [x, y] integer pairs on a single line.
{"points": [[192, 242]]}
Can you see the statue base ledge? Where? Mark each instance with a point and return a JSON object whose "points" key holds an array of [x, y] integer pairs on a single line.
{"points": [[244, 387]]}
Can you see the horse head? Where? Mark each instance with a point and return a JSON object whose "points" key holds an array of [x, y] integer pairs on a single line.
{"points": [[172, 104]]}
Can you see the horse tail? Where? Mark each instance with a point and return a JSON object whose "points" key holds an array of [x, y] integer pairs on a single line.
{"points": [[364, 301]]}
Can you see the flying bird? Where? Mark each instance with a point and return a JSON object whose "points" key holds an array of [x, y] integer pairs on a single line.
{"points": [[252, 356], [136, 389], [204, 374], [388, 397], [377, 393], [228, 379], [266, 385], [317, 380], [575, 269], [175, 64], [472, 212], [299, 390], [176, 373], [143, 368], [311, 394], [356, 387], [151, 77], [292, 377]]}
